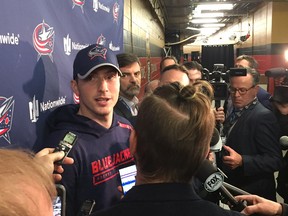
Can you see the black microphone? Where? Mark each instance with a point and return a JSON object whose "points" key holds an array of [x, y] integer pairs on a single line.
{"points": [[284, 142], [213, 181], [276, 72]]}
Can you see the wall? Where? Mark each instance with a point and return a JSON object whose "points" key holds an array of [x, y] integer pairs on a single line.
{"points": [[39, 40], [144, 36]]}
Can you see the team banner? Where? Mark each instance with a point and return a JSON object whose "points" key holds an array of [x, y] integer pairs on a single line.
{"points": [[39, 40]]}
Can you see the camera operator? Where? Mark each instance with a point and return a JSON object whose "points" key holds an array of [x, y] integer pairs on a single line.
{"points": [[280, 105], [252, 152], [263, 96]]}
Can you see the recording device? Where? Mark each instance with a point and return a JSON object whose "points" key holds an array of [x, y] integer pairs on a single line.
{"points": [[237, 72], [216, 141], [213, 181], [87, 208], [59, 203], [218, 80], [127, 177], [66, 145], [284, 142], [276, 72]]}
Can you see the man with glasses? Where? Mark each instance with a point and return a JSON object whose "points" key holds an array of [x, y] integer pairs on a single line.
{"points": [[262, 95], [252, 152]]}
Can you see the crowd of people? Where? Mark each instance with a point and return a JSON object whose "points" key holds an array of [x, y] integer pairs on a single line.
{"points": [[167, 134]]}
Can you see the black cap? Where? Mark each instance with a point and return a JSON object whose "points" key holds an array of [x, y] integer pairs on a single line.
{"points": [[91, 58]]}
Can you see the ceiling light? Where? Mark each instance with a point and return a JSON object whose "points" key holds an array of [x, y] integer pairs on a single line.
{"points": [[214, 7], [204, 21], [213, 25], [192, 28], [198, 15]]}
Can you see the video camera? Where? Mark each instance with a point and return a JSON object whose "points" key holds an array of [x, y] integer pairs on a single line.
{"points": [[280, 74], [219, 79]]}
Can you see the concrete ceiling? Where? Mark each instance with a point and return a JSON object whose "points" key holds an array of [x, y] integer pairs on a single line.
{"points": [[177, 15]]}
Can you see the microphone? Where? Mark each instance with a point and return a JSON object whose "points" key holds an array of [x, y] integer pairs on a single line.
{"points": [[213, 181], [284, 142], [276, 72], [216, 142]]}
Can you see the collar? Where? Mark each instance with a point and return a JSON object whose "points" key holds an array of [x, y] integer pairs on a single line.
{"points": [[248, 106], [161, 191], [130, 103]]}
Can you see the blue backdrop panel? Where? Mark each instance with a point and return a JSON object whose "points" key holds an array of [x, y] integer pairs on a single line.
{"points": [[39, 40]]}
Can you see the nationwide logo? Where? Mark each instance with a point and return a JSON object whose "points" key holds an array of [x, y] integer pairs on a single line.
{"points": [[116, 8], [98, 5], [95, 5], [112, 47], [43, 40], [10, 39], [34, 107], [79, 3], [34, 110], [6, 117], [69, 45], [101, 40]]}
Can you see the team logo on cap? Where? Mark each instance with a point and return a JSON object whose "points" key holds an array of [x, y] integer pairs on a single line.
{"points": [[43, 40], [79, 3], [97, 51], [6, 116], [116, 8]]}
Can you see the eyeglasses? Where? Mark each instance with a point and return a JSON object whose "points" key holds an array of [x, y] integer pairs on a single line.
{"points": [[241, 91]]}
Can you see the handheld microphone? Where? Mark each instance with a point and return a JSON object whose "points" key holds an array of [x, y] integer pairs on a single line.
{"points": [[216, 142], [284, 142], [213, 181], [276, 72]]}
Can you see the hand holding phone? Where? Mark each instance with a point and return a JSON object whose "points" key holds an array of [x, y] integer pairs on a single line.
{"points": [[66, 145]]}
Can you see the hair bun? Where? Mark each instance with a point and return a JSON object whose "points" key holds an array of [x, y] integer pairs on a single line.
{"points": [[187, 93]]}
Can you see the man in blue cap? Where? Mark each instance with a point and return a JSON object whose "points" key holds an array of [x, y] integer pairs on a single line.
{"points": [[103, 137]]}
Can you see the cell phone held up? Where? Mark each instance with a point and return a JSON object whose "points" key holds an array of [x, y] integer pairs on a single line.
{"points": [[66, 145]]}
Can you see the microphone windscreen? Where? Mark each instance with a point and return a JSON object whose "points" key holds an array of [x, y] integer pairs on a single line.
{"points": [[284, 142], [276, 72], [205, 170], [216, 142]]}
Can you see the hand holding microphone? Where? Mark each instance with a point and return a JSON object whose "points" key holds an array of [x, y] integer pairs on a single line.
{"points": [[213, 181]]}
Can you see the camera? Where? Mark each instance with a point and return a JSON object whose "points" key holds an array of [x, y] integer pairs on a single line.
{"points": [[219, 79]]}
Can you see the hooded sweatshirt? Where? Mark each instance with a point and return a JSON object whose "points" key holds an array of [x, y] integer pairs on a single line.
{"points": [[98, 154]]}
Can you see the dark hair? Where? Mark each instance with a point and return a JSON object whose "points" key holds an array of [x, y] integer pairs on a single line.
{"points": [[165, 58], [193, 65], [175, 67], [252, 62], [174, 127], [125, 59]]}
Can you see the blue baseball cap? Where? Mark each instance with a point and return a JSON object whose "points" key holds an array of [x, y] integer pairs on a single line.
{"points": [[92, 57]]}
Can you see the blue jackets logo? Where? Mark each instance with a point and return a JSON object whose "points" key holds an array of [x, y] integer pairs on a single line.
{"points": [[79, 3], [43, 40], [116, 9], [6, 117]]}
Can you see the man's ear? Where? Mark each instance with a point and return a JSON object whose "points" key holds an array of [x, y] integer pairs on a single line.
{"points": [[133, 142], [74, 87]]}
